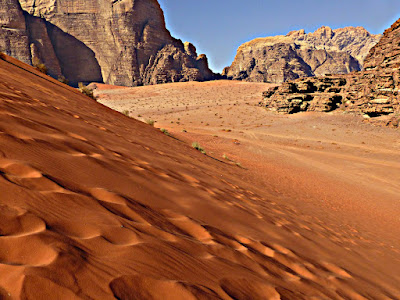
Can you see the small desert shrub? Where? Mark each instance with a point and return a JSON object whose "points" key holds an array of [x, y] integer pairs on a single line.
{"points": [[62, 79], [41, 67], [224, 156], [84, 89], [150, 122], [126, 113], [197, 146], [165, 131]]}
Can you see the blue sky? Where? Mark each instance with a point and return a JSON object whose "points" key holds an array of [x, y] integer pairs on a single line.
{"points": [[218, 27]]}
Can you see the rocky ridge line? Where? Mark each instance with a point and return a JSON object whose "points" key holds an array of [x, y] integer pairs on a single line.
{"points": [[373, 92], [281, 58]]}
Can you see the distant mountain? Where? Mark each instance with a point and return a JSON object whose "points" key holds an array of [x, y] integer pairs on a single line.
{"points": [[121, 42], [374, 92], [281, 58]]}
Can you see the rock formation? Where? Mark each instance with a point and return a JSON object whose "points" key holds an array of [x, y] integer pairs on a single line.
{"points": [[282, 58], [121, 42], [13, 34], [373, 92]]}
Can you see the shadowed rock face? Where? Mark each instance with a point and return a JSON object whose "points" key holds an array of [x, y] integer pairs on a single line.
{"points": [[119, 42], [373, 92], [13, 34], [282, 58]]}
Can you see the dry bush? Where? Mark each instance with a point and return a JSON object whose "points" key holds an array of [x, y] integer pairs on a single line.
{"points": [[41, 67], [86, 90], [150, 122], [165, 131], [197, 146], [62, 79]]}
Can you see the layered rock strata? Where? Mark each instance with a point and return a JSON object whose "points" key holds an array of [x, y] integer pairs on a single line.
{"points": [[282, 58], [121, 42], [373, 92], [13, 35]]}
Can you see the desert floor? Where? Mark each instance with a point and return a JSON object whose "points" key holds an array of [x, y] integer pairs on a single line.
{"points": [[327, 164], [97, 205], [331, 169]]}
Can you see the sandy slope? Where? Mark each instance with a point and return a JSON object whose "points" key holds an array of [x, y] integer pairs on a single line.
{"points": [[96, 205], [330, 166], [328, 161]]}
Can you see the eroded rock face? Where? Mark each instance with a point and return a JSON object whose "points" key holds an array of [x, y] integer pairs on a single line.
{"points": [[13, 34], [386, 54], [121, 42], [373, 92], [281, 58]]}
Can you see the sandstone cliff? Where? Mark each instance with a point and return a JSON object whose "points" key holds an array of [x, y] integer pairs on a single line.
{"points": [[373, 92], [386, 55], [13, 34], [121, 42], [281, 58]]}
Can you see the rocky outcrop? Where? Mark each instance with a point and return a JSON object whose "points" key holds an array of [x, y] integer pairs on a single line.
{"points": [[121, 42], [373, 92], [282, 58], [13, 34], [386, 54], [352, 92]]}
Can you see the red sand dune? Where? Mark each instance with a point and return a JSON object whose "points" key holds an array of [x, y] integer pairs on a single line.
{"points": [[96, 205]]}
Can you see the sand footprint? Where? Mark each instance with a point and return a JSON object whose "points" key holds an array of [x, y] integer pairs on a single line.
{"points": [[192, 228], [18, 169], [76, 136], [283, 250], [194, 182], [83, 231], [107, 196], [18, 226], [24, 175], [296, 265], [225, 239], [116, 204], [147, 288], [121, 236], [248, 288], [288, 261], [44, 288], [155, 232], [260, 248], [18, 251], [16, 222], [336, 270], [40, 184]]}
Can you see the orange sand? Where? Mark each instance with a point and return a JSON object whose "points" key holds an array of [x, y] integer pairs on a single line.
{"points": [[96, 205]]}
